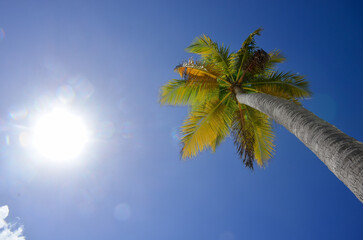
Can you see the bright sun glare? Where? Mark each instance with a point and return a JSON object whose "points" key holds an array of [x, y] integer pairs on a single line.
{"points": [[59, 135]]}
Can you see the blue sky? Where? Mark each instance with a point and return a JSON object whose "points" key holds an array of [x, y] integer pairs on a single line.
{"points": [[130, 183]]}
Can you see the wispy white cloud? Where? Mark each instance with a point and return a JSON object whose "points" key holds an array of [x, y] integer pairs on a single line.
{"points": [[6, 230]]}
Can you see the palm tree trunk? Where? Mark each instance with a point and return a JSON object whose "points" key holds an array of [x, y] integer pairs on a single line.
{"points": [[342, 154]]}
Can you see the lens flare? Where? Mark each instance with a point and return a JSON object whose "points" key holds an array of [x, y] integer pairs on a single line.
{"points": [[18, 113], [66, 94]]}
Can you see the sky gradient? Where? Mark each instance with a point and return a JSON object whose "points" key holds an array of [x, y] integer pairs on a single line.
{"points": [[110, 58]]}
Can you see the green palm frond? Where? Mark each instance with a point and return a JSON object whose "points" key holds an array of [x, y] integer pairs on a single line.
{"points": [[245, 52], [230, 109], [181, 92], [276, 57], [211, 52], [249, 44], [263, 135], [202, 127], [242, 132], [253, 135], [286, 85]]}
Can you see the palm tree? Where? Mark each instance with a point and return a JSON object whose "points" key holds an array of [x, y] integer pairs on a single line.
{"points": [[239, 94]]}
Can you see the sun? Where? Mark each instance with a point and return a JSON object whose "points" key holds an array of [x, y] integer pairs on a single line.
{"points": [[59, 135]]}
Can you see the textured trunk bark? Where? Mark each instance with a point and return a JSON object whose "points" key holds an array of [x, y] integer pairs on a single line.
{"points": [[342, 154]]}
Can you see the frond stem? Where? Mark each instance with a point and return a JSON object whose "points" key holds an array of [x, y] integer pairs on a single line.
{"points": [[244, 73], [251, 89], [225, 81], [257, 83]]}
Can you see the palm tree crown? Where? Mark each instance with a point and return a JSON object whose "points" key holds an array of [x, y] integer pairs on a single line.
{"points": [[208, 87]]}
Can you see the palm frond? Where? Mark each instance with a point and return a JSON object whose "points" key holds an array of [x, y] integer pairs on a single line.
{"points": [[200, 71], [243, 137], [182, 92], [286, 85], [202, 127], [253, 136], [276, 57], [250, 43], [245, 52], [262, 133], [211, 52], [230, 109]]}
